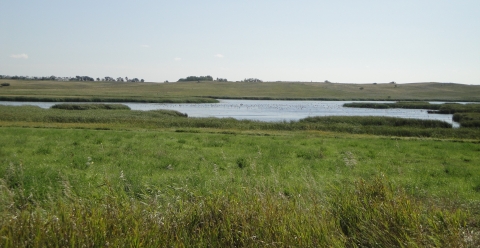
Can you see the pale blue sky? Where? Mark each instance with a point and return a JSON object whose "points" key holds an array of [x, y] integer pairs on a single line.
{"points": [[342, 41]]}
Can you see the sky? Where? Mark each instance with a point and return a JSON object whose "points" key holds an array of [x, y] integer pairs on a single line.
{"points": [[345, 41]]}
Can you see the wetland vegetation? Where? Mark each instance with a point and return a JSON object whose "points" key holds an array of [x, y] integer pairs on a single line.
{"points": [[100, 177], [468, 115]]}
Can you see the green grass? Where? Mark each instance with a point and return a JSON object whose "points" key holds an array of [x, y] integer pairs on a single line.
{"points": [[378, 121], [208, 91], [446, 108], [468, 115], [108, 99], [453, 108], [468, 119], [126, 178], [63, 187], [404, 105], [166, 119]]}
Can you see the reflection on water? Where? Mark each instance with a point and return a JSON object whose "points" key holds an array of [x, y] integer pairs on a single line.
{"points": [[272, 111]]}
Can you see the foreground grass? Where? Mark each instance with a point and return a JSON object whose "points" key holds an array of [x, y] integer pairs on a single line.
{"points": [[64, 187]]}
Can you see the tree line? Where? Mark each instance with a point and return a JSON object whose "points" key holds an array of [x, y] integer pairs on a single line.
{"points": [[121, 79], [195, 78], [210, 78], [76, 78]]}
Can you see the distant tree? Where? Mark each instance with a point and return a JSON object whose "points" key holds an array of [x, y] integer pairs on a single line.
{"points": [[87, 78], [252, 80], [81, 78], [195, 78], [109, 79]]}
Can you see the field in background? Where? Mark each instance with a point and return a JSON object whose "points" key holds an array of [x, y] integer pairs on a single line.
{"points": [[193, 91]]}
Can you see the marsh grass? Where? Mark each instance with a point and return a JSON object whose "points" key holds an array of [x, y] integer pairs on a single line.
{"points": [[452, 108], [467, 119], [465, 114], [90, 106], [403, 104], [157, 119], [87, 99], [445, 108], [378, 121]]}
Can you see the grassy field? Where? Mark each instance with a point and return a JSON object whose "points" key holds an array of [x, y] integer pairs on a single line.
{"points": [[63, 187], [197, 92], [109, 176]]}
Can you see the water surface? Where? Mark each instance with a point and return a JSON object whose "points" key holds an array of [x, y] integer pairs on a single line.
{"points": [[272, 111]]}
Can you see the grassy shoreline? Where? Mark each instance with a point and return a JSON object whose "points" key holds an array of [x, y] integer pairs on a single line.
{"points": [[161, 119], [107, 99], [468, 115]]}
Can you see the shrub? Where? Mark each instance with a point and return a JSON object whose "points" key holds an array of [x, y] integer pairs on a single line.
{"points": [[242, 163], [467, 119], [90, 106], [376, 121]]}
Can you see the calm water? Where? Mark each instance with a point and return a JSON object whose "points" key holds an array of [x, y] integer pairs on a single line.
{"points": [[272, 111]]}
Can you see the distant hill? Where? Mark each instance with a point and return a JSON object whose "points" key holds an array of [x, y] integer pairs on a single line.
{"points": [[242, 90]]}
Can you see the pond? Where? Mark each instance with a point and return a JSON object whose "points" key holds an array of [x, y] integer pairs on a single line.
{"points": [[272, 111]]}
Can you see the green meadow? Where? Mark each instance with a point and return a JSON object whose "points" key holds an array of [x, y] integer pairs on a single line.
{"points": [[64, 187], [99, 175]]}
